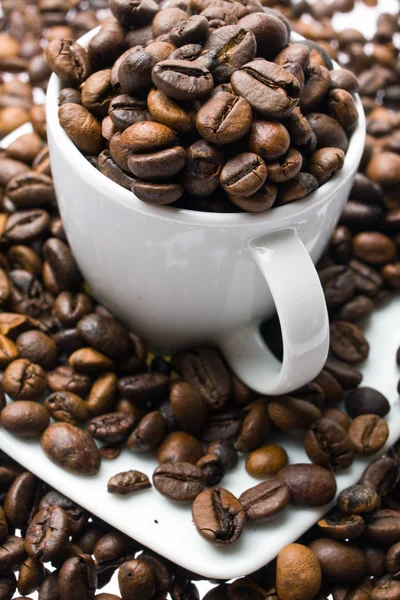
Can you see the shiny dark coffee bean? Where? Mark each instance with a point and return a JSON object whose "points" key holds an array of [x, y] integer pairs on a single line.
{"points": [[189, 407], [224, 118], [165, 110], [286, 167], [262, 200], [315, 89], [104, 334], [71, 448], [340, 562], [110, 547], [266, 27], [339, 285], [297, 188], [193, 31], [26, 225], [204, 369], [324, 163], [234, 46], [25, 419], [19, 499], [125, 111], [12, 553], [368, 433], [69, 60], [136, 579], [289, 413], [380, 475], [30, 190], [269, 89], [226, 451], [221, 426], [68, 407], [178, 481], [77, 516], [383, 526], [112, 428], [77, 578], [65, 378], [182, 80], [47, 534], [213, 469], [128, 482], [342, 527], [243, 175], [148, 434], [341, 107], [180, 447], [265, 500], [145, 388], [309, 485], [218, 516], [327, 444], [156, 192], [158, 165], [366, 400], [348, 342], [203, 167], [24, 380], [349, 377], [328, 131]]}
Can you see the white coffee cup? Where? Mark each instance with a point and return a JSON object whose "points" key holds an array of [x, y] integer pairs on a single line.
{"points": [[182, 278]]}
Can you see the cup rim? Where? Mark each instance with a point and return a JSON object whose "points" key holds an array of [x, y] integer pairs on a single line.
{"points": [[116, 193]]}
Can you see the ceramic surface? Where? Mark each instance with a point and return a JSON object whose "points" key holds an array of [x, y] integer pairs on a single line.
{"points": [[181, 278]]}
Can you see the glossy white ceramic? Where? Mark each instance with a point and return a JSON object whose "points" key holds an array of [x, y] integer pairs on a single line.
{"points": [[181, 277]]}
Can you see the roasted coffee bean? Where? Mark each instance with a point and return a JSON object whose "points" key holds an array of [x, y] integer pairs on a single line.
{"points": [[102, 394], [243, 175], [30, 190], [373, 247], [315, 89], [389, 589], [339, 285], [104, 334], [161, 572], [8, 351], [136, 580], [68, 407], [158, 165], [358, 308], [65, 378], [213, 469], [343, 79], [204, 369], [222, 426], [125, 110], [347, 375], [300, 186], [145, 388], [110, 169], [309, 485], [70, 307], [25, 419], [148, 434], [166, 111], [193, 31], [218, 516], [342, 108], [182, 80], [77, 578], [368, 433], [380, 475], [324, 163], [342, 527], [348, 342], [224, 118], [266, 461], [328, 131], [270, 33], [262, 200], [358, 499], [265, 500], [180, 447], [97, 93], [82, 127], [368, 281], [393, 560], [289, 413], [270, 90], [226, 451], [255, 428], [188, 406], [69, 60], [340, 562], [383, 169], [12, 553], [71, 448], [47, 534], [128, 482], [24, 226], [157, 192], [327, 444], [8, 584], [338, 416], [244, 587], [136, 14], [366, 400], [88, 360], [269, 139], [77, 516], [110, 546], [135, 70], [234, 46], [112, 428], [383, 526], [24, 380], [38, 348], [179, 481], [31, 575], [203, 167], [19, 499], [286, 167], [297, 568], [62, 264]]}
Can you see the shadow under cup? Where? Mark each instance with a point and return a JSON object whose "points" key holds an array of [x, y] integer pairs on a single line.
{"points": [[180, 277]]}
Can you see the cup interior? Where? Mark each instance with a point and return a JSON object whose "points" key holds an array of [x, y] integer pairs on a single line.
{"points": [[78, 163]]}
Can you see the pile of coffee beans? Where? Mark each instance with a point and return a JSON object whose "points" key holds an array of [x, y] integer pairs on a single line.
{"points": [[205, 105], [60, 550]]}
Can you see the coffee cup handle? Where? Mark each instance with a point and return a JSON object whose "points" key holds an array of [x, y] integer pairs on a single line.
{"points": [[296, 289]]}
